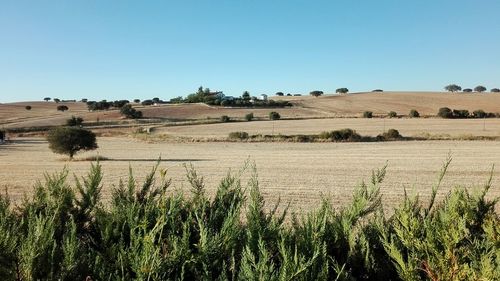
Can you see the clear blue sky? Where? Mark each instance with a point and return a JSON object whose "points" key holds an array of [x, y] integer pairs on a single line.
{"points": [[142, 49]]}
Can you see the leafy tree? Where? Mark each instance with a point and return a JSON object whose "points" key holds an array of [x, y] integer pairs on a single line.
{"points": [[445, 112], [225, 118], [84, 100], [137, 100], [156, 100], [392, 114], [74, 121], [377, 90], [274, 115], [453, 88], [28, 107], [147, 102], [460, 113], [479, 114], [62, 108], [495, 90], [246, 96], [56, 100], [280, 94], [316, 93], [342, 91], [129, 112], [414, 113], [467, 90], [46, 99], [70, 140], [480, 89], [367, 114]]}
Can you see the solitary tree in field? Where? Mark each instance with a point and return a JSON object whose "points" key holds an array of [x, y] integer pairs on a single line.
{"points": [[28, 107], [453, 88], [316, 93], [137, 100], [495, 90], [342, 91], [56, 100], [467, 90], [46, 99], [280, 94], [480, 89], [70, 140]]}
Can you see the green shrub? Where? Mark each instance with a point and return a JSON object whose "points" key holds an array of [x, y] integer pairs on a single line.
{"points": [[225, 118], [391, 134], [74, 121], [28, 107], [274, 115], [392, 114], [249, 117], [129, 112], [367, 114], [238, 135], [479, 114], [445, 112], [414, 113]]}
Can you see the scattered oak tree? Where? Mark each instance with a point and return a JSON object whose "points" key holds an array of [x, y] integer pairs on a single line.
{"points": [[453, 88], [342, 91], [56, 100], [70, 140], [480, 89], [46, 99], [74, 121], [274, 115], [316, 93], [495, 90], [414, 113], [28, 107], [467, 90], [129, 112], [280, 94]]}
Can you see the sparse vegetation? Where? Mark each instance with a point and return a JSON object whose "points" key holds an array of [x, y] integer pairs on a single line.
{"points": [[70, 140], [414, 113], [391, 134], [274, 115], [238, 135], [225, 118], [392, 114], [249, 116], [74, 121], [63, 232], [340, 135], [367, 114]]}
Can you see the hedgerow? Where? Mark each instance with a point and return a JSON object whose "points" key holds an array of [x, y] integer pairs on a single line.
{"points": [[65, 232]]}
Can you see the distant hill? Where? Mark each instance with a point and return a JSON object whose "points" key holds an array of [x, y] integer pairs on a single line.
{"points": [[427, 103]]}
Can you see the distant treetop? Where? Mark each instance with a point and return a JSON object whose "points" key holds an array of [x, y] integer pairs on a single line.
{"points": [[453, 88]]}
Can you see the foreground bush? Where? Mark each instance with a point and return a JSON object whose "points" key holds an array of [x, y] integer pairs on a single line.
{"points": [[145, 233]]}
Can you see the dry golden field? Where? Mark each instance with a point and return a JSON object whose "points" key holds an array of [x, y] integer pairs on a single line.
{"points": [[299, 173], [454, 128]]}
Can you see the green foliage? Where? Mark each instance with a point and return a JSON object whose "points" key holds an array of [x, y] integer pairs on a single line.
{"points": [[391, 134], [316, 93], [414, 114], [249, 116], [62, 108], [225, 118], [392, 114], [74, 121], [341, 135], [445, 112], [453, 88], [342, 91], [479, 89], [129, 112], [238, 135], [367, 114], [146, 233], [69, 140], [274, 115], [479, 114], [460, 113]]}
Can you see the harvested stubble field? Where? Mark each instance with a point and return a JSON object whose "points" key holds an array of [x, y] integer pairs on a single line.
{"points": [[299, 173], [454, 128]]}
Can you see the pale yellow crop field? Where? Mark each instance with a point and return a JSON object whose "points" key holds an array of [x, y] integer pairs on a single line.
{"points": [[299, 173], [406, 126]]}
